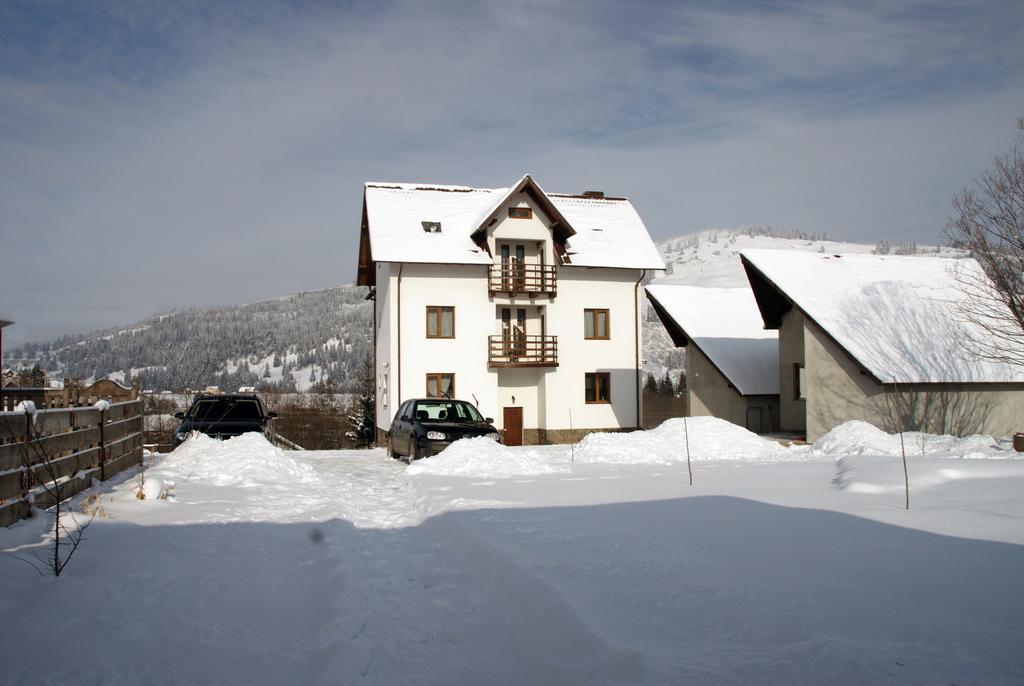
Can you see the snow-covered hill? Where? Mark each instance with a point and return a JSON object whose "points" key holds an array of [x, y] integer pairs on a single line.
{"points": [[293, 342], [301, 340]]}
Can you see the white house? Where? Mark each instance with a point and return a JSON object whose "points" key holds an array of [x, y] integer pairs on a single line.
{"points": [[526, 302], [732, 361], [885, 339]]}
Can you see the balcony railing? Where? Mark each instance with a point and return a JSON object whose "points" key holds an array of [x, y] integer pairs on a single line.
{"points": [[515, 277], [520, 350]]}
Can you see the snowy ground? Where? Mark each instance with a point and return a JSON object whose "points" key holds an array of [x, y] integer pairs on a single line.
{"points": [[487, 565]]}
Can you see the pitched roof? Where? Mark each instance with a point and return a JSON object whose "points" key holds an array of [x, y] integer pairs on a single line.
{"points": [[598, 232], [899, 317], [726, 325]]}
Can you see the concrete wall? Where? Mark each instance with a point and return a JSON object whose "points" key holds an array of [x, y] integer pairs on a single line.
{"points": [[837, 391], [709, 393], [792, 412]]}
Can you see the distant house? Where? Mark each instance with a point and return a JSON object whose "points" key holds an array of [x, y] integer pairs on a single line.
{"points": [[882, 339], [524, 301], [731, 360]]}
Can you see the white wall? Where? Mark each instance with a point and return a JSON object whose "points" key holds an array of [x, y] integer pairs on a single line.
{"points": [[580, 288], [385, 407], [463, 287], [545, 394]]}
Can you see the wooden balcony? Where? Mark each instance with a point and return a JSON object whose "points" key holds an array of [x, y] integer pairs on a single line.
{"points": [[516, 278], [520, 350]]}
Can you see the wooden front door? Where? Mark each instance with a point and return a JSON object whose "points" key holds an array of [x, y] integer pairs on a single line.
{"points": [[512, 420]]}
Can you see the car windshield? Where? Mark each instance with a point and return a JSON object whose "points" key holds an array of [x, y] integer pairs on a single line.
{"points": [[225, 408], [446, 410]]}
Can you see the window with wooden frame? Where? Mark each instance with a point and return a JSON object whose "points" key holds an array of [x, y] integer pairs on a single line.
{"points": [[440, 385], [799, 384], [440, 322], [598, 388], [520, 213], [596, 325]]}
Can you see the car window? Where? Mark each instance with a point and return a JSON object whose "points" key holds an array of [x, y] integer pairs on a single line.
{"points": [[225, 408], [446, 410], [405, 412]]}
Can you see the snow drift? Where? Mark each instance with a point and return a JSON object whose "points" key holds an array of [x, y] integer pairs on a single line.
{"points": [[883, 474], [860, 438], [248, 460], [710, 438], [481, 457]]}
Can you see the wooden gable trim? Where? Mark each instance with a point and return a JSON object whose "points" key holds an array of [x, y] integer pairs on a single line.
{"points": [[367, 275], [675, 332], [560, 227], [773, 303]]}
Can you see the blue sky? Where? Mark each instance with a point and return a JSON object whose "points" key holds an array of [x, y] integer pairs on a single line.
{"points": [[214, 153]]}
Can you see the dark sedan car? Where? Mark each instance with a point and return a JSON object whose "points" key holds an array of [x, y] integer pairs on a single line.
{"points": [[426, 426], [224, 415]]}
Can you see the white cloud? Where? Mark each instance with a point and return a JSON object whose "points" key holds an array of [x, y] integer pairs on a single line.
{"points": [[235, 172]]}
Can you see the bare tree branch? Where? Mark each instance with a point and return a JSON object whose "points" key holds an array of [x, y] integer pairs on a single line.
{"points": [[34, 454], [988, 222]]}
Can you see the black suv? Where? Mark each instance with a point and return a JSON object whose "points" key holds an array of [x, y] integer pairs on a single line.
{"points": [[425, 426], [224, 415]]}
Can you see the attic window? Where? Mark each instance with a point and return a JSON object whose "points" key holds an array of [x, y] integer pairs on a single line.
{"points": [[431, 227], [520, 213]]}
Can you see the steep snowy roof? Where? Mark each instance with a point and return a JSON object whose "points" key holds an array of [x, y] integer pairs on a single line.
{"points": [[599, 232], [899, 317], [726, 325], [396, 212], [609, 233]]}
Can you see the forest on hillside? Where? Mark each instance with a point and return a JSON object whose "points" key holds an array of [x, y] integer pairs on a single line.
{"points": [[324, 334]]}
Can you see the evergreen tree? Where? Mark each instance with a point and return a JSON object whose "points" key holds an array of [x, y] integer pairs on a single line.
{"points": [[665, 387], [361, 417], [650, 383]]}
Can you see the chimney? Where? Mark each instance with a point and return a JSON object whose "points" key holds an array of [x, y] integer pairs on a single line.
{"points": [[593, 194]]}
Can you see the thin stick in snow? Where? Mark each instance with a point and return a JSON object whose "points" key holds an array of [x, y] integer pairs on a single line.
{"points": [[686, 437], [897, 413], [572, 447]]}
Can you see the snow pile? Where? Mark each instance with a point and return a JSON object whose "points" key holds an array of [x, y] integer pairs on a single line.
{"points": [[248, 460], [482, 457], [102, 405], [710, 438], [860, 438], [155, 488]]}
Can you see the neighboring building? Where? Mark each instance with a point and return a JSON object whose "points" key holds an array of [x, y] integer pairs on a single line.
{"points": [[883, 339], [524, 301], [731, 360]]}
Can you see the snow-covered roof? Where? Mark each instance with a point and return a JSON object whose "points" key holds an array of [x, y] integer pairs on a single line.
{"points": [[396, 212], [726, 325], [609, 233], [899, 317], [599, 232]]}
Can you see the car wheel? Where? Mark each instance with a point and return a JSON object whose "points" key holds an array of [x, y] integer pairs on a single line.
{"points": [[413, 452]]}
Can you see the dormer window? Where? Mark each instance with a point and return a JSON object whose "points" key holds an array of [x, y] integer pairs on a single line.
{"points": [[431, 227], [520, 213]]}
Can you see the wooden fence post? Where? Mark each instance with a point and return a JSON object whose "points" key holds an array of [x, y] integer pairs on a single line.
{"points": [[103, 447], [27, 475]]}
